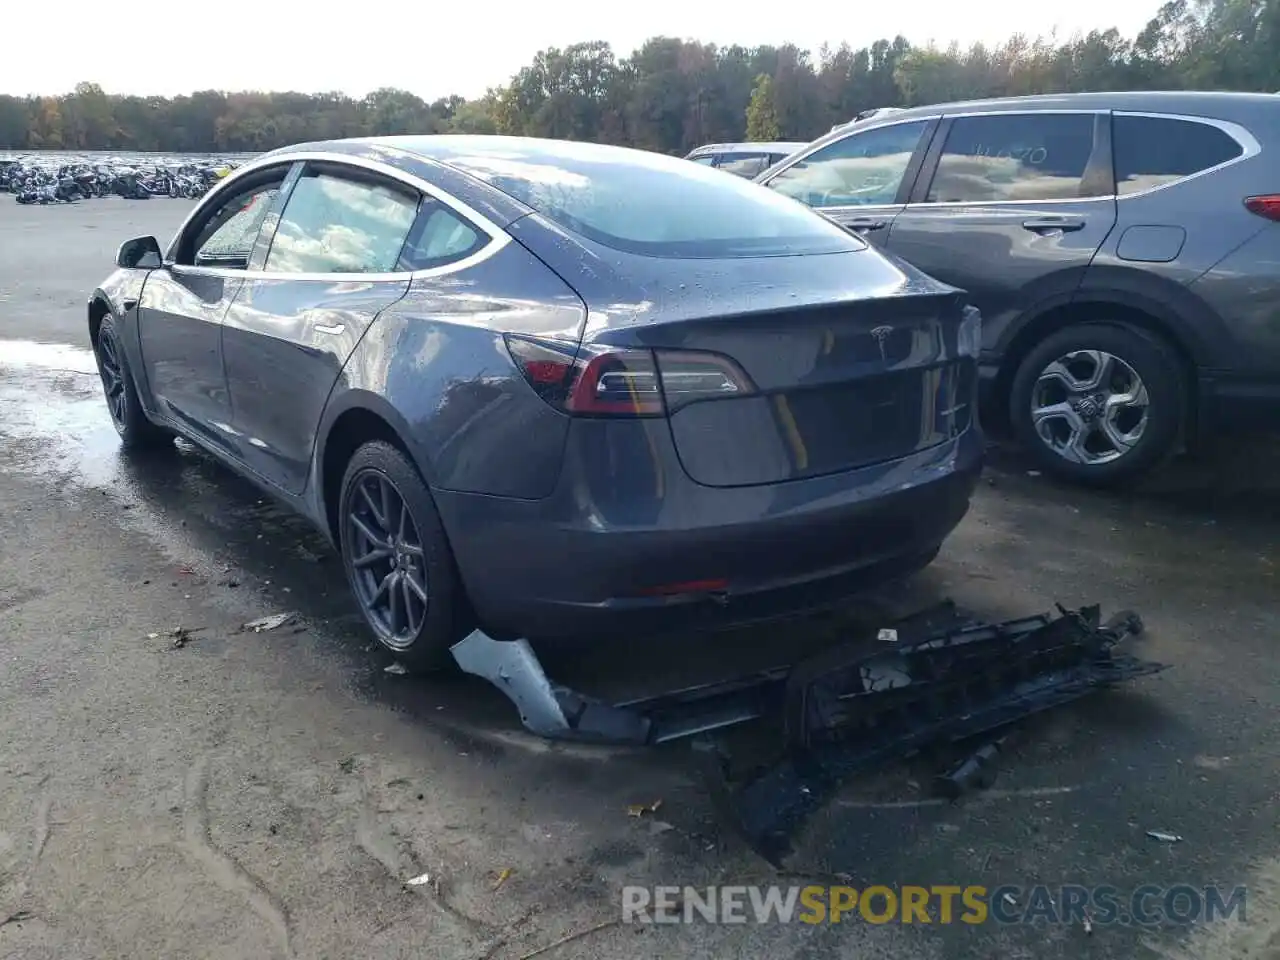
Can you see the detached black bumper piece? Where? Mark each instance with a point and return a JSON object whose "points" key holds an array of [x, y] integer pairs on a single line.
{"points": [[936, 680], [854, 708]]}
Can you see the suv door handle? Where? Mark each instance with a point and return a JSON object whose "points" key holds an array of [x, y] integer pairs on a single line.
{"points": [[1049, 224]]}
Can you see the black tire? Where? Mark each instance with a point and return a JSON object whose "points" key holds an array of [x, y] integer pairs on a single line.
{"points": [[1149, 357], [445, 618], [127, 416]]}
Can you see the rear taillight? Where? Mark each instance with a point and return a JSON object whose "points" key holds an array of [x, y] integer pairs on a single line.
{"points": [[1265, 206], [596, 381]]}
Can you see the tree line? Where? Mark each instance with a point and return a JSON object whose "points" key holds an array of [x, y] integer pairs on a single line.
{"points": [[671, 95]]}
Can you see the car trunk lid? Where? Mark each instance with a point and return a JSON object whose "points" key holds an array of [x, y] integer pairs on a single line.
{"points": [[836, 388]]}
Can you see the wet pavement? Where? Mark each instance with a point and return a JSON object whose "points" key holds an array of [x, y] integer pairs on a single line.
{"points": [[267, 795]]}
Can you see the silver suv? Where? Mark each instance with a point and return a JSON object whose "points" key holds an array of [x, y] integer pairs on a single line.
{"points": [[1123, 248]]}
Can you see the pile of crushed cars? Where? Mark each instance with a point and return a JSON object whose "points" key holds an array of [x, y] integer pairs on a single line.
{"points": [[42, 180]]}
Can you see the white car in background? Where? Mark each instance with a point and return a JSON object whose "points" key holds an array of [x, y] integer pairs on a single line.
{"points": [[744, 159]]}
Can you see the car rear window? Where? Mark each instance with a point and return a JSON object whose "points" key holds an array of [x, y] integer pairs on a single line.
{"points": [[655, 205], [1153, 151]]}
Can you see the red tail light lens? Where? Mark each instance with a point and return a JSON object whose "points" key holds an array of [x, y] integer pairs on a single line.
{"points": [[547, 365], [600, 381], [1266, 206]]}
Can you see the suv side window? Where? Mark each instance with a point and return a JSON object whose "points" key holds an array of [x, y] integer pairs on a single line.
{"points": [[226, 237], [1152, 151], [339, 223], [862, 168], [1027, 156], [707, 159], [439, 237], [743, 164]]}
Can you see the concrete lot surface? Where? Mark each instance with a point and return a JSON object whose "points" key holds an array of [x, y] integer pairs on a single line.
{"points": [[267, 795]]}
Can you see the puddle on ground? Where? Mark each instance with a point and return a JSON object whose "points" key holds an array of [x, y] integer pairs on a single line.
{"points": [[28, 354], [51, 403]]}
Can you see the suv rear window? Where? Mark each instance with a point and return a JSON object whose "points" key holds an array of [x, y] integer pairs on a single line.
{"points": [[1153, 151], [654, 205]]}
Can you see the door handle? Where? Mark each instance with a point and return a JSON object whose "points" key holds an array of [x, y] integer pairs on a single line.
{"points": [[1050, 224], [329, 328], [865, 223]]}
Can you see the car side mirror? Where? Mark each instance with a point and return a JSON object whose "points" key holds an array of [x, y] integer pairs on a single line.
{"points": [[142, 253]]}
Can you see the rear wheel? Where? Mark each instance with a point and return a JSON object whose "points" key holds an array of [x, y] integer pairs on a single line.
{"points": [[397, 558], [127, 415], [1099, 403]]}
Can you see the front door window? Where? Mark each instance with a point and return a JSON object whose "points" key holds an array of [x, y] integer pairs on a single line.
{"points": [[227, 237], [861, 169]]}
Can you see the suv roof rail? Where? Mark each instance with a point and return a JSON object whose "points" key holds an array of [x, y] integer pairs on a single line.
{"points": [[868, 114]]}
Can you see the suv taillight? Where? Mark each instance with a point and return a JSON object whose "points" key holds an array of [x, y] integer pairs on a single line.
{"points": [[1267, 206], [595, 381]]}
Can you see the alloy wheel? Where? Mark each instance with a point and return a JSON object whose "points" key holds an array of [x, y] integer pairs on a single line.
{"points": [[1089, 407], [112, 373], [387, 559]]}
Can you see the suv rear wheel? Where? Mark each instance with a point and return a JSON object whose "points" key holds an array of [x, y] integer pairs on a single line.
{"points": [[1098, 403]]}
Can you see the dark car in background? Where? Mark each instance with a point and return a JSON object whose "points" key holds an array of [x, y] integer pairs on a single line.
{"points": [[744, 159], [1122, 247], [557, 389]]}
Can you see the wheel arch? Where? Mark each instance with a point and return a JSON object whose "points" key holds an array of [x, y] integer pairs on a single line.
{"points": [[1159, 308], [355, 418], [99, 307]]}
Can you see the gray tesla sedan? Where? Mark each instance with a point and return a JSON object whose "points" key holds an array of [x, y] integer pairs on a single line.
{"points": [[554, 389]]}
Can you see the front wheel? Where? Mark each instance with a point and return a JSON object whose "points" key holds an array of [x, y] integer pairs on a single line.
{"points": [[1099, 403], [127, 415], [397, 558]]}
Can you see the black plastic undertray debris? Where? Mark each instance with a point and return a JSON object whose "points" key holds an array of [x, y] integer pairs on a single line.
{"points": [[933, 683]]}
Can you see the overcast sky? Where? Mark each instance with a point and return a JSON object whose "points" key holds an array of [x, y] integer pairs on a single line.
{"points": [[440, 48]]}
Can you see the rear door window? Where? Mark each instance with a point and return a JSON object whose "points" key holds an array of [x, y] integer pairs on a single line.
{"points": [[863, 168], [334, 223], [1026, 156], [1154, 151]]}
